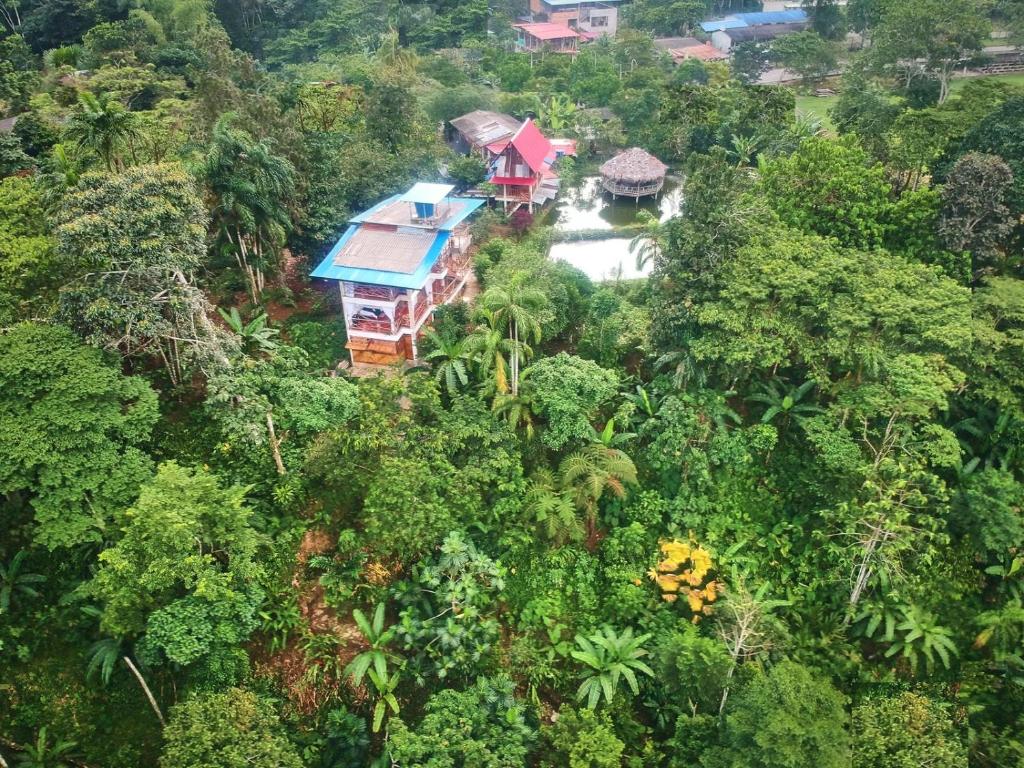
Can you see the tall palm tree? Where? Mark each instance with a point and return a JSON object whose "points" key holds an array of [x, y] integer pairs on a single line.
{"points": [[102, 125], [649, 243], [449, 359], [488, 349], [251, 189], [517, 308], [591, 472]]}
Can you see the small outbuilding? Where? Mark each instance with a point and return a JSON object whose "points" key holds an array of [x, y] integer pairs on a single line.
{"points": [[633, 173]]}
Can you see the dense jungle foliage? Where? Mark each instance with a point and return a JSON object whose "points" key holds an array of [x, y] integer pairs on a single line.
{"points": [[763, 509]]}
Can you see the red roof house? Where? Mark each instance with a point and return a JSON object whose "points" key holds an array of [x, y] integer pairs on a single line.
{"points": [[522, 171], [547, 35]]}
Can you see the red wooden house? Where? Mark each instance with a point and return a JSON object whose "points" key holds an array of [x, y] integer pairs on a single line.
{"points": [[521, 170]]}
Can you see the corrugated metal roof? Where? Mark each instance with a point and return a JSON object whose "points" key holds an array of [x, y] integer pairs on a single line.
{"points": [[772, 17], [720, 24], [762, 32], [755, 19], [430, 194], [328, 269], [483, 127], [547, 30]]}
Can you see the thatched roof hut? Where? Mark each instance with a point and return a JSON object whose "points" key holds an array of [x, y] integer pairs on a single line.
{"points": [[633, 173]]}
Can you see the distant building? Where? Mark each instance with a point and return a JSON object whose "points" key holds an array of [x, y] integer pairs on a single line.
{"points": [[546, 35], [682, 48], [591, 17], [789, 5], [395, 264], [771, 24], [725, 39]]}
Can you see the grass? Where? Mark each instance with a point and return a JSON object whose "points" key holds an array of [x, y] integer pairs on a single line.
{"points": [[819, 107]]}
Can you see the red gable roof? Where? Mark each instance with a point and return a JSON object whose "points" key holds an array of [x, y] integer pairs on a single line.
{"points": [[532, 145], [547, 30]]}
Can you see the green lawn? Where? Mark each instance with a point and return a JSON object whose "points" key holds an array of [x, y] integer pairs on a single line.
{"points": [[819, 106]]}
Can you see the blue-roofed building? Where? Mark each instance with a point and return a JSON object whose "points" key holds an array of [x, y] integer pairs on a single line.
{"points": [[755, 19], [395, 264], [759, 25]]}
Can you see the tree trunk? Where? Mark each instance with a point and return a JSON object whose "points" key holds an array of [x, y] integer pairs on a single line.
{"points": [[725, 690], [145, 688], [275, 445]]}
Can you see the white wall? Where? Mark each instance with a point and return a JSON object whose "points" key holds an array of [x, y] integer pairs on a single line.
{"points": [[721, 41]]}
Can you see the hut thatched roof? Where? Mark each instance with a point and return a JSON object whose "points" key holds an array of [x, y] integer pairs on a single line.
{"points": [[634, 166]]}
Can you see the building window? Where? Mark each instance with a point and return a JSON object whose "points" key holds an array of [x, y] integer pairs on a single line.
{"points": [[599, 21]]}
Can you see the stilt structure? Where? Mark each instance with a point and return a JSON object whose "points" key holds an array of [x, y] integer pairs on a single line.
{"points": [[633, 173]]}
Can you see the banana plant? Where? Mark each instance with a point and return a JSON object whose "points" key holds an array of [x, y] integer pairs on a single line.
{"points": [[785, 402], [608, 437], [13, 581], [384, 687], [255, 334], [376, 655], [42, 754]]}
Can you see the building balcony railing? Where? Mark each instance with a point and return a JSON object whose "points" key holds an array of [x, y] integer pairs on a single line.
{"points": [[374, 292], [445, 289], [381, 325], [514, 193]]}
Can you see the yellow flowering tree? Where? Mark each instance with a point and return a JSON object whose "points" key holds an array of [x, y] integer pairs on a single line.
{"points": [[686, 570]]}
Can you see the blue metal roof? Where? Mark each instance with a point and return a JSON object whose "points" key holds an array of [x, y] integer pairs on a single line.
{"points": [[327, 269], [720, 24], [469, 206], [756, 19]]}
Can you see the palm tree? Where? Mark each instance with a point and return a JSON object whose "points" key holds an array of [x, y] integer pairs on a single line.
{"points": [[589, 473], [14, 581], [488, 348], [255, 334], [251, 188], [102, 125], [449, 359], [610, 656], [684, 368], [649, 243], [552, 509], [517, 307], [517, 410], [42, 754]]}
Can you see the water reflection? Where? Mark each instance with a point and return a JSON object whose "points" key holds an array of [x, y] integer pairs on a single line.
{"points": [[600, 260], [588, 206]]}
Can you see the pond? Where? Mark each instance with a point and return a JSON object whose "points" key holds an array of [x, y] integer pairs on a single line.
{"points": [[589, 211], [588, 206]]}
